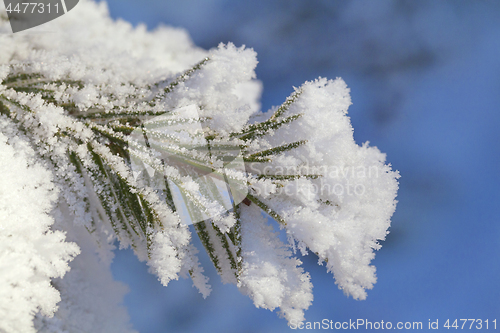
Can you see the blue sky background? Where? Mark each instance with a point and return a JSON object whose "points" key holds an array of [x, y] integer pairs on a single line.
{"points": [[425, 84]]}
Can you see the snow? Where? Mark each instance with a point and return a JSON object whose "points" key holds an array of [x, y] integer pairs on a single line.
{"points": [[91, 301], [338, 205], [424, 81], [271, 276], [355, 181], [31, 252]]}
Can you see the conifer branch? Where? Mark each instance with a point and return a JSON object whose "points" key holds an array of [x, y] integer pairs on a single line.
{"points": [[267, 209], [276, 150], [286, 105], [181, 78], [138, 161]]}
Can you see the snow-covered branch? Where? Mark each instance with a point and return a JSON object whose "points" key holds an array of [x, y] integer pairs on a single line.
{"points": [[121, 134]]}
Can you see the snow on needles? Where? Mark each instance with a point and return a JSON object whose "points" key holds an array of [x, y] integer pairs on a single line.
{"points": [[358, 189], [70, 110]]}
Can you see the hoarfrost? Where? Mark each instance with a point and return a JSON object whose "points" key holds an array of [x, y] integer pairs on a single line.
{"points": [[78, 97]]}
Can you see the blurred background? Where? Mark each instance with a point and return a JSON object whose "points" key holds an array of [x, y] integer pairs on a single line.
{"points": [[425, 84]]}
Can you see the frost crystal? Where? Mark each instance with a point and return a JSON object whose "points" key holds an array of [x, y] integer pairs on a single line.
{"points": [[113, 133]]}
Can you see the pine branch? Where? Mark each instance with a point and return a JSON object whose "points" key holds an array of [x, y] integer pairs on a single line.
{"points": [[286, 105], [134, 154], [267, 209], [181, 78], [256, 130], [286, 177], [276, 150]]}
